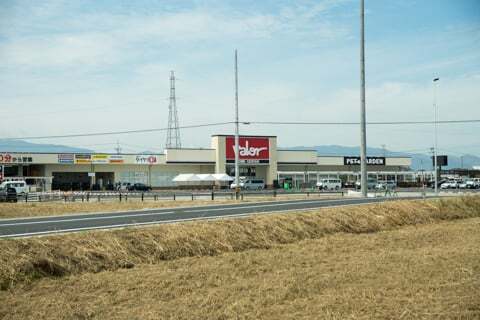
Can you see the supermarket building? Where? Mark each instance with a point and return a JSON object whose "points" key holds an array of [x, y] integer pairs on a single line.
{"points": [[259, 158]]}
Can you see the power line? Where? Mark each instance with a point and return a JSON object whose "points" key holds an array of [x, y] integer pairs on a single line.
{"points": [[116, 132], [243, 122], [368, 123]]}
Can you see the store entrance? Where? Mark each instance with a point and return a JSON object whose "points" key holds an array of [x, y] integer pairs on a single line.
{"points": [[247, 172], [70, 181], [104, 180]]}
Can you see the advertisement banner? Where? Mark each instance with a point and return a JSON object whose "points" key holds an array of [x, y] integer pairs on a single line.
{"points": [[251, 149], [146, 159], [15, 158], [116, 158], [371, 161], [65, 158], [83, 158], [441, 161], [100, 158]]}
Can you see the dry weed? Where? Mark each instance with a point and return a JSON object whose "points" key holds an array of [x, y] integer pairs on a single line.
{"points": [[22, 260], [420, 272]]}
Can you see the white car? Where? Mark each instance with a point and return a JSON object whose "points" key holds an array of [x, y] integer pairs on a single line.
{"points": [[386, 185], [469, 184], [234, 185], [329, 184], [20, 186], [371, 184], [452, 184]]}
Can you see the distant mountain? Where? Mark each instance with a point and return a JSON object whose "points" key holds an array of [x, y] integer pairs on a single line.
{"points": [[419, 161], [24, 146]]}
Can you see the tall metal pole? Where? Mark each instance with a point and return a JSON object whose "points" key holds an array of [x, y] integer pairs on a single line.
{"points": [[237, 173], [435, 153], [363, 130]]}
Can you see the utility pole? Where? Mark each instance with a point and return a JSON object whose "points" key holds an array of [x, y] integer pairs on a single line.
{"points": [[363, 130], [173, 133], [237, 169], [435, 155], [118, 149]]}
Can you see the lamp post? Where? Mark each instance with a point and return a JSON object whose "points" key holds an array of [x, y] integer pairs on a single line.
{"points": [[435, 153], [363, 134], [237, 186]]}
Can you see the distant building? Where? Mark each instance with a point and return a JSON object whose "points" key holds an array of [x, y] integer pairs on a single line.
{"points": [[259, 158]]}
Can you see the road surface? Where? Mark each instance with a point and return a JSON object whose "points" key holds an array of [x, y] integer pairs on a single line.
{"points": [[22, 227]]}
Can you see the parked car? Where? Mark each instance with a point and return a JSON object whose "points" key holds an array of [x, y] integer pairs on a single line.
{"points": [[139, 187], [8, 195], [20, 186], [469, 184], [329, 184], [253, 184], [371, 183], [431, 183], [233, 185], [450, 184], [122, 186], [386, 185], [349, 184]]}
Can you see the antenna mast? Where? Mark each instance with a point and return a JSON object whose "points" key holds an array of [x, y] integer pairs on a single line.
{"points": [[173, 133]]}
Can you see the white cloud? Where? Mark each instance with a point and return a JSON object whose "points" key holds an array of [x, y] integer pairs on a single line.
{"points": [[106, 38], [60, 50]]}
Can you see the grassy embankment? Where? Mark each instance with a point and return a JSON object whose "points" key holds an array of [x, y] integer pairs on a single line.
{"points": [[418, 272], [24, 260], [33, 209]]}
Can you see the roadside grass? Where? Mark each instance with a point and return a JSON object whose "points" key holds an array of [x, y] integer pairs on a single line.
{"points": [[36, 209], [417, 272], [24, 260]]}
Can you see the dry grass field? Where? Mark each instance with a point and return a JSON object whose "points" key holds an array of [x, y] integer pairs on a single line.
{"points": [[401, 259], [426, 272], [32, 209]]}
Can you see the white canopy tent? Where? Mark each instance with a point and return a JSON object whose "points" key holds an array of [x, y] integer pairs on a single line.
{"points": [[206, 177], [186, 177], [202, 179], [222, 177]]}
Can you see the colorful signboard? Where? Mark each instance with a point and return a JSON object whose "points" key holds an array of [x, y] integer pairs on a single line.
{"points": [[146, 159], [83, 158], [66, 158], [100, 158], [116, 158], [15, 158], [251, 149]]}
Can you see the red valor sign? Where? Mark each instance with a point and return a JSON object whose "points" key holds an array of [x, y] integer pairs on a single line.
{"points": [[251, 149]]}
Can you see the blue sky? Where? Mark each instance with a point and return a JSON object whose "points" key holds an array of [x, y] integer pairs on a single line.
{"points": [[88, 66]]}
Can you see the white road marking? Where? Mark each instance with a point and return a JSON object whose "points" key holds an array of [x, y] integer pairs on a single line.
{"points": [[87, 218], [167, 208], [268, 205], [240, 215]]}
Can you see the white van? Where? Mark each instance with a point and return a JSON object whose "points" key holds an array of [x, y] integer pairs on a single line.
{"points": [[253, 184], [20, 186], [329, 184]]}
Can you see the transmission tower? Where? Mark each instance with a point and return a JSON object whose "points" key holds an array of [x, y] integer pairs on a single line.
{"points": [[173, 133]]}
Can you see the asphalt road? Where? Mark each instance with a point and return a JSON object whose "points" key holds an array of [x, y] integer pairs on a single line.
{"points": [[72, 223]]}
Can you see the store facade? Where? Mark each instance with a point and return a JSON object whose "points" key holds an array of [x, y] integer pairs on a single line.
{"points": [[259, 158]]}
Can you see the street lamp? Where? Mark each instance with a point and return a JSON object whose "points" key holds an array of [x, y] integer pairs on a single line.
{"points": [[363, 131], [435, 153], [237, 160]]}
